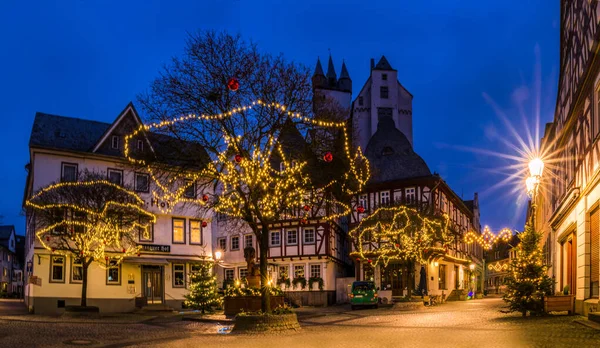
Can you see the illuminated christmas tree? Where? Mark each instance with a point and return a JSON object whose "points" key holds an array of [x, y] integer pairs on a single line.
{"points": [[528, 282], [203, 289]]}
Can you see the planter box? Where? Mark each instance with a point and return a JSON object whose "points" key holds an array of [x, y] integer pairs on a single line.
{"points": [[234, 305], [559, 303], [269, 322]]}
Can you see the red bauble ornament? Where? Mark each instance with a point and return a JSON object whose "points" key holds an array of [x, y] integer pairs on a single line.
{"points": [[139, 254], [233, 84], [204, 224], [306, 208], [397, 245], [238, 158], [106, 258], [303, 221], [124, 250], [328, 157], [205, 198], [369, 261], [360, 209]]}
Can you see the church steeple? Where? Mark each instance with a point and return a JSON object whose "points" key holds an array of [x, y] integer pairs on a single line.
{"points": [[318, 78], [331, 75], [345, 83]]}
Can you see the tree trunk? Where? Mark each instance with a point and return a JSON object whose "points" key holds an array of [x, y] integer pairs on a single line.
{"points": [[84, 279], [263, 244]]}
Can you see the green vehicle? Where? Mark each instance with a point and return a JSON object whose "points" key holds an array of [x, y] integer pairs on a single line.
{"points": [[363, 294]]}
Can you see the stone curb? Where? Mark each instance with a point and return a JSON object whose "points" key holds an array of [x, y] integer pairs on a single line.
{"points": [[588, 323], [209, 320]]}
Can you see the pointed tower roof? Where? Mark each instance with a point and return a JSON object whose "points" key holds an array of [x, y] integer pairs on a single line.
{"points": [[318, 68], [331, 70], [344, 73], [383, 64]]}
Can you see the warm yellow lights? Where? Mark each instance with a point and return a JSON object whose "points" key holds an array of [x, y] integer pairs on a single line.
{"points": [[487, 239], [399, 233], [248, 182], [536, 167]]}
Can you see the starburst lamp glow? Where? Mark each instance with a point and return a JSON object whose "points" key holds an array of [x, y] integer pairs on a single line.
{"points": [[530, 182], [536, 167], [218, 255]]}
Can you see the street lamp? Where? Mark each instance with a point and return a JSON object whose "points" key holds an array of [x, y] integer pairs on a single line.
{"points": [[218, 255], [536, 168]]}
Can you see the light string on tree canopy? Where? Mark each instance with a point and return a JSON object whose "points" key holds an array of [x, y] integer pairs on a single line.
{"points": [[400, 233], [487, 239], [91, 229], [289, 186]]}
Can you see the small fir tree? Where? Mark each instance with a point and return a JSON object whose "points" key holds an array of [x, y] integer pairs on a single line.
{"points": [[203, 289], [528, 281]]}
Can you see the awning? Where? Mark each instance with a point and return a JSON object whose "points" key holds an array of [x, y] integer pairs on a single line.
{"points": [[145, 261]]}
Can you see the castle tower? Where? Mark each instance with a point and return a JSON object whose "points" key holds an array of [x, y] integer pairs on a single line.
{"points": [[327, 87], [382, 96]]}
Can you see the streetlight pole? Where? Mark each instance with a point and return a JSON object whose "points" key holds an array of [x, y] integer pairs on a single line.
{"points": [[536, 168]]}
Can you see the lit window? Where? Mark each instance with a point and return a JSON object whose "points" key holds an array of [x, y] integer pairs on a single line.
{"points": [[76, 271], [275, 238], [115, 176], [115, 142], [248, 241], [69, 172], [292, 237], [146, 234], [178, 231], [141, 182], [309, 235], [315, 271], [195, 232], [57, 269], [178, 276], [113, 273], [299, 271], [284, 272], [235, 243]]}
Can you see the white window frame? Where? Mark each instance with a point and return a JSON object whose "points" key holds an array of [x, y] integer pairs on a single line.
{"points": [[248, 237], [76, 263], [298, 267], [410, 192], [237, 238], [61, 264], [384, 197], [137, 189], [312, 268], [287, 237], [362, 201], [287, 271], [110, 267], [113, 170], [271, 239], [222, 247], [182, 241], [314, 235], [177, 271], [191, 188], [196, 226], [62, 171], [243, 270], [229, 270]]}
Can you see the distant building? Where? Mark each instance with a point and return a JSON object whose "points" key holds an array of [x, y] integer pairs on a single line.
{"points": [[11, 272], [497, 261]]}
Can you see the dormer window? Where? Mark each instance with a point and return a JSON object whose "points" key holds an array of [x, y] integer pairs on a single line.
{"points": [[115, 142], [387, 151], [384, 77], [140, 145]]}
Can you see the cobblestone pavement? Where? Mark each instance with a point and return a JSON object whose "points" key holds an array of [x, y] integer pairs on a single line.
{"points": [[476, 323]]}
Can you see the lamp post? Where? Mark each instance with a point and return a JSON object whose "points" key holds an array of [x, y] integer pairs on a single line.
{"points": [[536, 168]]}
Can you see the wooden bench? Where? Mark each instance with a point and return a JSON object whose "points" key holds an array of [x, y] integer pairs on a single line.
{"points": [[559, 303]]}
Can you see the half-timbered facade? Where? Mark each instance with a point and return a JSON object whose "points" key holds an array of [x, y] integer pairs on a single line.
{"points": [[401, 177], [60, 148], [568, 207]]}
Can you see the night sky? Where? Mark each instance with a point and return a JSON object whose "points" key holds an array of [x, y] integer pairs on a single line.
{"points": [[88, 59]]}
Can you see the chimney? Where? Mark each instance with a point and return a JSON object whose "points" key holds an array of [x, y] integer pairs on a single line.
{"points": [[372, 63]]}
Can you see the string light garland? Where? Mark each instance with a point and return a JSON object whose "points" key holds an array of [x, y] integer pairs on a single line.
{"points": [[498, 267], [280, 190], [91, 233], [487, 239], [399, 233]]}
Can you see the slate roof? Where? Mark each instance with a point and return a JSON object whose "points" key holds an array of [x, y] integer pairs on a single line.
{"points": [[391, 156], [470, 204], [383, 64], [75, 134], [65, 133], [331, 69], [344, 74], [5, 232], [319, 68]]}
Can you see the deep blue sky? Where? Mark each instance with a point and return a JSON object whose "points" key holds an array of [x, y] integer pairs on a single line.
{"points": [[89, 58]]}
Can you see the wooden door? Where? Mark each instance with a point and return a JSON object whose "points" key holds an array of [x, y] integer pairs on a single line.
{"points": [[152, 284]]}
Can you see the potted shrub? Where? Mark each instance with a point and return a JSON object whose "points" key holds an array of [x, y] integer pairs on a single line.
{"points": [[313, 280], [299, 281], [282, 318]]}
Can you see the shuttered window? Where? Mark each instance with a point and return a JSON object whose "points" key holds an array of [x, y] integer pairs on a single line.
{"points": [[595, 249]]}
